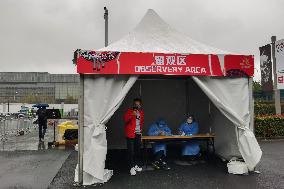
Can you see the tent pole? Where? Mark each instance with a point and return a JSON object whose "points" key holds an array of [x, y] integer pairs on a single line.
{"points": [[81, 131], [251, 103], [187, 97], [140, 90]]}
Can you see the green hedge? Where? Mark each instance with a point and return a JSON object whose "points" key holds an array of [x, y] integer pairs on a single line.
{"points": [[269, 126], [262, 108]]}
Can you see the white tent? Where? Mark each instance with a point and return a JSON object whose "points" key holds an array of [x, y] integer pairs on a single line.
{"points": [[103, 94]]}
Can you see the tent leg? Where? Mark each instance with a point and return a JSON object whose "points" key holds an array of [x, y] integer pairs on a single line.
{"points": [[81, 131], [251, 104], [187, 97]]}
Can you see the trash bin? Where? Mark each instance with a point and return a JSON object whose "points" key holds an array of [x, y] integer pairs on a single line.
{"points": [[67, 125]]}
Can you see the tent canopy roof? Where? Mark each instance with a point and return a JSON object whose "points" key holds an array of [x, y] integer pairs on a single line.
{"points": [[153, 34], [154, 47]]}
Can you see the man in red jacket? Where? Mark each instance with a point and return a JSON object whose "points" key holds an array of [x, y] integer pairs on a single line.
{"points": [[134, 119]]}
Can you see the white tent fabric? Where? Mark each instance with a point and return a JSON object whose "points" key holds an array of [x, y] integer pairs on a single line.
{"points": [[227, 95], [104, 94], [153, 34], [102, 97]]}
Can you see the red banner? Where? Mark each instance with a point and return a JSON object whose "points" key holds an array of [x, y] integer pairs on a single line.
{"points": [[94, 62]]}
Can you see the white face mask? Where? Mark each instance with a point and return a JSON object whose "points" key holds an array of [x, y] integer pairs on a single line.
{"points": [[189, 120]]}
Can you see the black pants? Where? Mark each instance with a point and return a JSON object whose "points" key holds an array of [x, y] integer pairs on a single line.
{"points": [[159, 156], [134, 150], [42, 125], [191, 157]]}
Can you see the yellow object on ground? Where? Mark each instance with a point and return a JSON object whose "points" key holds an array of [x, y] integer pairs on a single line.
{"points": [[62, 128]]}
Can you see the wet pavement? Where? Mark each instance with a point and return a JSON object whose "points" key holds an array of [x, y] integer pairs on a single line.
{"points": [[272, 165], [211, 174], [30, 169], [28, 141], [24, 161], [10, 140]]}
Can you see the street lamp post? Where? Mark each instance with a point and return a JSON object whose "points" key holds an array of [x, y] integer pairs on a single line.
{"points": [[37, 100], [15, 95], [8, 104], [106, 26]]}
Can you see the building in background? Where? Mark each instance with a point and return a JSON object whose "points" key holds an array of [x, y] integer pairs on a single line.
{"points": [[35, 87]]}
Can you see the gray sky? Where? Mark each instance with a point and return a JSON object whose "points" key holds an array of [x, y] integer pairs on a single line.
{"points": [[41, 35]]}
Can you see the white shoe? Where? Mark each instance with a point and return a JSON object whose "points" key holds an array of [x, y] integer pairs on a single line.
{"points": [[137, 168], [132, 171]]}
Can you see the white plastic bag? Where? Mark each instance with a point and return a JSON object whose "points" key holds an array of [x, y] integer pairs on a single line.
{"points": [[237, 167]]}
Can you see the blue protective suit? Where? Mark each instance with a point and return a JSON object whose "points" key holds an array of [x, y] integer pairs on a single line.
{"points": [[155, 130], [192, 147]]}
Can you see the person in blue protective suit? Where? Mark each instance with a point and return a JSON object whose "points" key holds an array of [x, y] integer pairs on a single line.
{"points": [[160, 128], [191, 149]]}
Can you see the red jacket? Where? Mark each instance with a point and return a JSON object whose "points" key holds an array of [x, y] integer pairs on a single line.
{"points": [[130, 122]]}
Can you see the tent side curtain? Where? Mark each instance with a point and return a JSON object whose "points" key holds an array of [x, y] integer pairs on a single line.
{"points": [[102, 97], [231, 97]]}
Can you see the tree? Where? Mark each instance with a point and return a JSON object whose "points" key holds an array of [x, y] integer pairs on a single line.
{"points": [[257, 86], [70, 100], [31, 99]]}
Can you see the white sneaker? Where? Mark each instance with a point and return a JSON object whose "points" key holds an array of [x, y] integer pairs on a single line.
{"points": [[137, 168], [132, 171]]}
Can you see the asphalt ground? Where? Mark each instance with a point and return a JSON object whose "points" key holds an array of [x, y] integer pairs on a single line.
{"points": [[204, 175], [30, 169], [27, 163]]}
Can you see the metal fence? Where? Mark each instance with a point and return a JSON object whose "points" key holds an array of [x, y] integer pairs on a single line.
{"points": [[15, 127]]}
